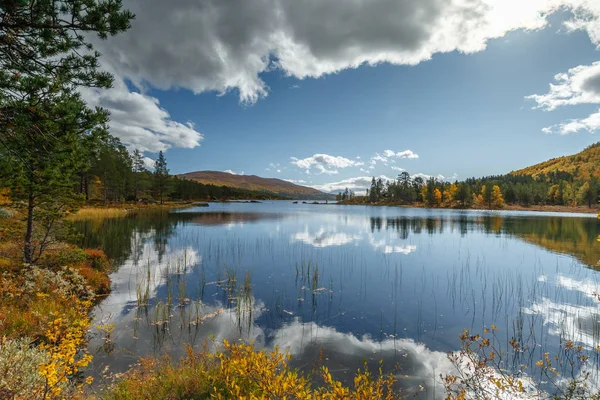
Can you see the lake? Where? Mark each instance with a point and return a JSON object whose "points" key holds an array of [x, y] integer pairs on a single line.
{"points": [[345, 284]]}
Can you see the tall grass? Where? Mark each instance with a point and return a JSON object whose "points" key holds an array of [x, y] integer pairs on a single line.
{"points": [[98, 213]]}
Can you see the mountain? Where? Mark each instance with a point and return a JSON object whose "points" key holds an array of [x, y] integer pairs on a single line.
{"points": [[253, 182], [582, 166]]}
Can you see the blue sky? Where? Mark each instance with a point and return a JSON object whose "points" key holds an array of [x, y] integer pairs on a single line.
{"points": [[463, 112]]}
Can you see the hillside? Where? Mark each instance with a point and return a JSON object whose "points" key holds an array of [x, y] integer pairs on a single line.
{"points": [[582, 166], [253, 182]]}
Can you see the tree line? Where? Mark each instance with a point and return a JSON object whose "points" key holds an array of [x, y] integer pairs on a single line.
{"points": [[556, 188], [115, 175]]}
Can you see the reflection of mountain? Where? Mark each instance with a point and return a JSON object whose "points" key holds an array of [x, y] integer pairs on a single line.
{"points": [[227, 218]]}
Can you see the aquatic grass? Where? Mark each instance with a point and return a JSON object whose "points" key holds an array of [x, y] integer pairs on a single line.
{"points": [[91, 213]]}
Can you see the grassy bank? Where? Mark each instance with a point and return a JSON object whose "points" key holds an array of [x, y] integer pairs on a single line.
{"points": [[44, 315], [121, 210]]}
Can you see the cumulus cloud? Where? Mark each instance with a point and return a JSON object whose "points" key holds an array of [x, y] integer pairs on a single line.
{"points": [[139, 120], [233, 172], [220, 46], [398, 169], [579, 85], [358, 184], [298, 181], [379, 158], [149, 163], [324, 163], [439, 177], [407, 154], [387, 156], [590, 124]]}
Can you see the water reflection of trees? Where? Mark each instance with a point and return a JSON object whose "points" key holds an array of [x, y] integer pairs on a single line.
{"points": [[574, 236], [124, 238]]}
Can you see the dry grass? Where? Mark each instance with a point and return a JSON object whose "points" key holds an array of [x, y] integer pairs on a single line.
{"points": [[98, 213]]}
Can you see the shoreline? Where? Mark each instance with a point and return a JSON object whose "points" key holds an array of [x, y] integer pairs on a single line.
{"points": [[511, 207]]}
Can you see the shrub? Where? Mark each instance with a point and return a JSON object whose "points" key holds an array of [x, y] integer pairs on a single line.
{"points": [[97, 259], [19, 369], [240, 371], [67, 255]]}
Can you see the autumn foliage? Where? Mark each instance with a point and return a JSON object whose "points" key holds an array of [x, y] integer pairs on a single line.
{"points": [[239, 371]]}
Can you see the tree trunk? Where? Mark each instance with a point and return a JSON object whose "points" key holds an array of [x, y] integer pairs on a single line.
{"points": [[87, 188], [28, 248]]}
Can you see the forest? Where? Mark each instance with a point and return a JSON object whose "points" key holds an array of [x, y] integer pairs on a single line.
{"points": [[557, 188]]}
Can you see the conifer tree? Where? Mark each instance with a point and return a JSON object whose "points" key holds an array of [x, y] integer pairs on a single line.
{"points": [[161, 177]]}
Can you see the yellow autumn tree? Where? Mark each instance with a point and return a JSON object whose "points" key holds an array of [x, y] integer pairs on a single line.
{"points": [[479, 199], [497, 199], [437, 197], [4, 196], [449, 194]]}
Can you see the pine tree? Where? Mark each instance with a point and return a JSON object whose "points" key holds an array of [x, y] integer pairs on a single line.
{"points": [[139, 174], [373, 191], [41, 177], [161, 177], [45, 52], [45, 57]]}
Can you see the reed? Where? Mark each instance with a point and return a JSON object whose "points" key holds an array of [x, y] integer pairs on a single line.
{"points": [[90, 213]]}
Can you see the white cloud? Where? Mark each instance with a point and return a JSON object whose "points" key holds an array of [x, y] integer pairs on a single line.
{"points": [[579, 85], [149, 163], [590, 124], [358, 184], [439, 177], [398, 169], [220, 46], [298, 181], [324, 163], [139, 121], [378, 157], [389, 155], [322, 170], [407, 154], [233, 172]]}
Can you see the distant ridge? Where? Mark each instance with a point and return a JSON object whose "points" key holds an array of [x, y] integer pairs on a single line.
{"points": [[582, 166], [253, 182]]}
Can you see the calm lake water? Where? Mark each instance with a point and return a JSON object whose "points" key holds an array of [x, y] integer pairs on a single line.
{"points": [[352, 283]]}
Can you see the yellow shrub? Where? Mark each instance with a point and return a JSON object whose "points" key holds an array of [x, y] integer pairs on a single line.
{"points": [[241, 372]]}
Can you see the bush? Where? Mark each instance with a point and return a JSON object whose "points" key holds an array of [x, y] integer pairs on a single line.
{"points": [[97, 260], [240, 371], [68, 255], [19, 366]]}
